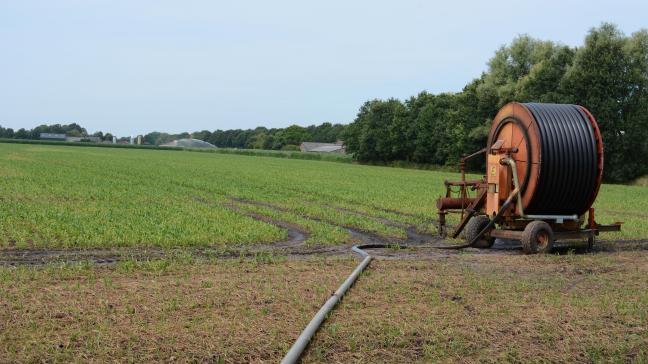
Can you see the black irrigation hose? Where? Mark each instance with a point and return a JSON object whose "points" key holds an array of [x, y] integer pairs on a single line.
{"points": [[569, 160]]}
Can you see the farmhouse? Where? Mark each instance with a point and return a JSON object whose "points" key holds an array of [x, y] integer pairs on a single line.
{"points": [[337, 147]]}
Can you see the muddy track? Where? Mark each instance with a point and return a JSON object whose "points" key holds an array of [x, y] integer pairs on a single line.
{"points": [[38, 256], [415, 239], [107, 256], [103, 256], [296, 235], [370, 217], [294, 247], [366, 237], [325, 196]]}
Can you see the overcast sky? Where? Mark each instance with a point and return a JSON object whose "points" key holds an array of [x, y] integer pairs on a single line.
{"points": [[135, 66]]}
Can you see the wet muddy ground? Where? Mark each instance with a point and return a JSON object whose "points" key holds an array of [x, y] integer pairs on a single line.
{"points": [[416, 245]]}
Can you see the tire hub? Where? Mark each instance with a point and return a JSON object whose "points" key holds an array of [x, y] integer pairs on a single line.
{"points": [[542, 240]]}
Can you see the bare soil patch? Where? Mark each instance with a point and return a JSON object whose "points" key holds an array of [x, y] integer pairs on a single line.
{"points": [[450, 308], [231, 312], [484, 308]]}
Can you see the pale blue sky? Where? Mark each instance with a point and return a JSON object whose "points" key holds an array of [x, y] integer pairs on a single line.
{"points": [[136, 66]]}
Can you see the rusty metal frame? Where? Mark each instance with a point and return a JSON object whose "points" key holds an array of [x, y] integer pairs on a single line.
{"points": [[558, 235], [470, 212]]}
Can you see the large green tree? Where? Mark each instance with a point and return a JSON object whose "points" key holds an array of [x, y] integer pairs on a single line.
{"points": [[609, 76], [375, 135]]}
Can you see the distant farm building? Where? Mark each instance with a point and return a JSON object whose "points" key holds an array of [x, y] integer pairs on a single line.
{"points": [[91, 139], [64, 138], [322, 147], [52, 136], [188, 143]]}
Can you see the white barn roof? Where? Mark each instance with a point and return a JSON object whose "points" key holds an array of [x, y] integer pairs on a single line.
{"points": [[322, 147]]}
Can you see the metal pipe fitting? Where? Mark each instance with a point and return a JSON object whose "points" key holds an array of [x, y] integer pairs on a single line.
{"points": [[516, 183]]}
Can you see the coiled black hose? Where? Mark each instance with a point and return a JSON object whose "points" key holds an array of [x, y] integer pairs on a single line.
{"points": [[568, 162]]}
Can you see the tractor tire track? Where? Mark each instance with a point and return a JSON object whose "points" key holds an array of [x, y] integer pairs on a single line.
{"points": [[413, 236], [294, 247], [301, 193], [296, 235]]}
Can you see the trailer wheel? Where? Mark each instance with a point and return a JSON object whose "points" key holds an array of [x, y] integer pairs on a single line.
{"points": [[474, 227], [537, 238]]}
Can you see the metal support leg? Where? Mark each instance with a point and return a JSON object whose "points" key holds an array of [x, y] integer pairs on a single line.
{"points": [[441, 228]]}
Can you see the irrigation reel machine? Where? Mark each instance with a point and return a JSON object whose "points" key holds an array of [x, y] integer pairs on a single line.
{"points": [[544, 165]]}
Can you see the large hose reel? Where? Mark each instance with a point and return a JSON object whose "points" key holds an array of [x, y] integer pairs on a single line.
{"points": [[558, 153], [548, 159]]}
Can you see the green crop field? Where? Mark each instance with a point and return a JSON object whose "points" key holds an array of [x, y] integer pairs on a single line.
{"points": [[59, 196], [200, 274]]}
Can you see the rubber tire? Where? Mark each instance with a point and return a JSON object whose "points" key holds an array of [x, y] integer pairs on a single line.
{"points": [[530, 238], [474, 227]]}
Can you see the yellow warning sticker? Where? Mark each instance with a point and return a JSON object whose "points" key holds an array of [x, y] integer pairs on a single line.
{"points": [[493, 170]]}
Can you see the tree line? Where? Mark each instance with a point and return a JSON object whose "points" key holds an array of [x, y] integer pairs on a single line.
{"points": [[608, 74], [259, 138], [72, 129]]}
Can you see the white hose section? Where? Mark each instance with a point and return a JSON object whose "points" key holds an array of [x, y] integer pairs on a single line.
{"points": [[292, 356]]}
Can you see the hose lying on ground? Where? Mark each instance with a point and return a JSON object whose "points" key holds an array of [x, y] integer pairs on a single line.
{"points": [[292, 356]]}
